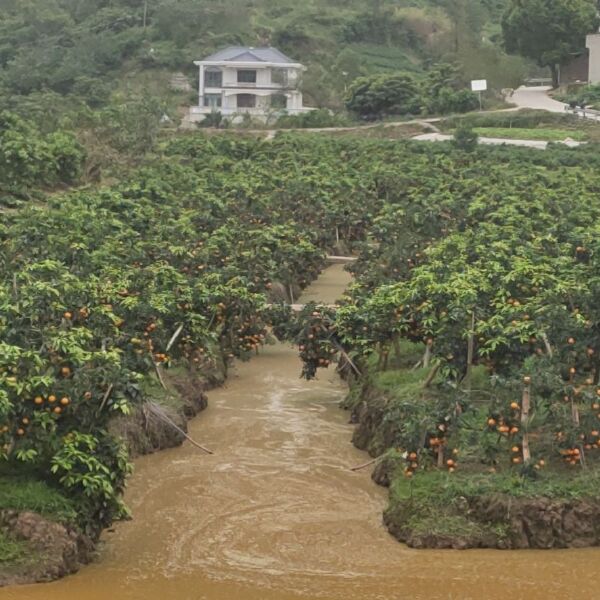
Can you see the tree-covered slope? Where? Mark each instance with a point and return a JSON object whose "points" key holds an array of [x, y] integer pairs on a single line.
{"points": [[87, 48]]}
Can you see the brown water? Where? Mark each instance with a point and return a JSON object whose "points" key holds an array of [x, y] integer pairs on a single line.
{"points": [[276, 514]]}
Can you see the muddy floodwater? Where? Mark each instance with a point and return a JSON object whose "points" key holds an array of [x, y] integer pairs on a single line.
{"points": [[276, 514]]}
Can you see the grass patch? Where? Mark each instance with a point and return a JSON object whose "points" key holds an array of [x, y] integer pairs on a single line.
{"points": [[437, 503], [12, 551], [443, 489], [543, 134], [29, 494], [450, 525]]}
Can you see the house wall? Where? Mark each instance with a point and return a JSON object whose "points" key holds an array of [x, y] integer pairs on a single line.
{"points": [[263, 78], [263, 89], [593, 44], [575, 71]]}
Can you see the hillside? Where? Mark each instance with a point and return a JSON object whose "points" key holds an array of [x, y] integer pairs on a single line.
{"points": [[85, 50]]}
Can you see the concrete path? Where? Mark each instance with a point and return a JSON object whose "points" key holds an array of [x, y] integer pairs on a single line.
{"points": [[538, 144], [536, 98]]}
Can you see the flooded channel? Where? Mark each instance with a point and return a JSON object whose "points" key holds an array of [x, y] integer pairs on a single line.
{"points": [[276, 514]]}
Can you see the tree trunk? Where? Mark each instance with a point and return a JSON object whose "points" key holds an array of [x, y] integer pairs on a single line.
{"points": [[470, 352], [555, 75], [440, 456], [386, 355], [525, 407]]}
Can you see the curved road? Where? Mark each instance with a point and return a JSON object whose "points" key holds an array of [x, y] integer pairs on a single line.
{"points": [[536, 98]]}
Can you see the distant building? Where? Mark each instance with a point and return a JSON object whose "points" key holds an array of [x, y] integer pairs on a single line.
{"points": [[255, 81], [592, 43]]}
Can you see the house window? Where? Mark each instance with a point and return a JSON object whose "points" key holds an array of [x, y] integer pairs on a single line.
{"points": [[212, 100], [246, 101], [213, 78], [279, 76], [246, 76], [278, 101]]}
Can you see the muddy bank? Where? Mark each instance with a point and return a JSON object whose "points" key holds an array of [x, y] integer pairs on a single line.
{"points": [[463, 520], [53, 549], [144, 432], [506, 522]]}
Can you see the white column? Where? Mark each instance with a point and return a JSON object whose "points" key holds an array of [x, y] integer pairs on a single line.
{"points": [[201, 87]]}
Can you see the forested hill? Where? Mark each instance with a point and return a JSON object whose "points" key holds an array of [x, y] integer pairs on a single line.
{"points": [[87, 49]]}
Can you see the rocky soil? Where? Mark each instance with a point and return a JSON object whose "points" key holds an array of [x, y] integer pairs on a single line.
{"points": [[56, 550]]}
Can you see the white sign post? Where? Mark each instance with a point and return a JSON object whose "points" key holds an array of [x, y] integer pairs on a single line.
{"points": [[479, 85]]}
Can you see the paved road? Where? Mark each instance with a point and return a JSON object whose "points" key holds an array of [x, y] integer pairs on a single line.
{"points": [[536, 97], [540, 145]]}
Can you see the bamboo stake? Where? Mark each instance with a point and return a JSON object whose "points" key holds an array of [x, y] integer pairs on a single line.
{"points": [[174, 337], [547, 345], [427, 356], [160, 378], [105, 398]]}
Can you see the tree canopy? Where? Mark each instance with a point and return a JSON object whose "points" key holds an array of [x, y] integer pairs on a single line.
{"points": [[549, 31]]}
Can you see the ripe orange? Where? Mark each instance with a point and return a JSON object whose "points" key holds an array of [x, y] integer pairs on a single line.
{"points": [[514, 405], [65, 401], [38, 400], [57, 410], [51, 398]]}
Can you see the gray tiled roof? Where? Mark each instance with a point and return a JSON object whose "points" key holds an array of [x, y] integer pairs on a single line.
{"points": [[249, 54]]}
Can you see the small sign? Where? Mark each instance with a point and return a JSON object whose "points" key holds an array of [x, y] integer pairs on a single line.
{"points": [[479, 85]]}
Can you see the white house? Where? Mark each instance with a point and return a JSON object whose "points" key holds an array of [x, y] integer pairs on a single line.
{"points": [[250, 80]]}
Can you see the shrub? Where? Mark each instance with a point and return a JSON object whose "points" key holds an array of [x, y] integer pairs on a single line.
{"points": [[465, 138], [381, 95]]}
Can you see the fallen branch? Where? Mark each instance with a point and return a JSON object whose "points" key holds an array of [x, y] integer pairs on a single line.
{"points": [[367, 464], [161, 415]]}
